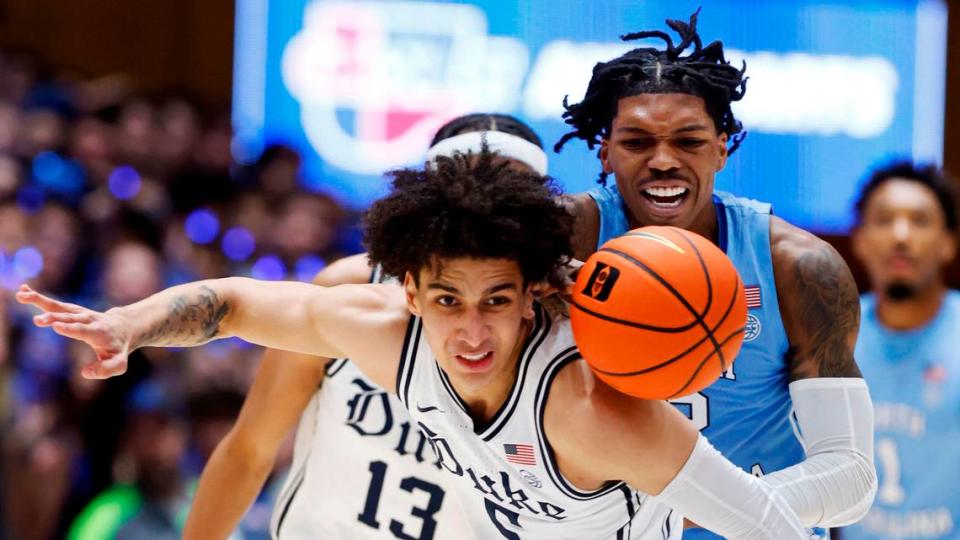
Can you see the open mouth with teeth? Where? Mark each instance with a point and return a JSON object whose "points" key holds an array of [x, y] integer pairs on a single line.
{"points": [[475, 363], [479, 357], [666, 197]]}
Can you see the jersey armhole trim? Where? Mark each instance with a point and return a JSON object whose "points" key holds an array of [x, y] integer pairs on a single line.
{"points": [[290, 495], [335, 366], [408, 355], [540, 401]]}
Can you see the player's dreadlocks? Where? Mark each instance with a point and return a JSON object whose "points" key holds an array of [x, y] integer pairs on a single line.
{"points": [[704, 73]]}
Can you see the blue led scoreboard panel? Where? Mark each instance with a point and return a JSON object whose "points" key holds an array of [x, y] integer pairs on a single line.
{"points": [[360, 87]]}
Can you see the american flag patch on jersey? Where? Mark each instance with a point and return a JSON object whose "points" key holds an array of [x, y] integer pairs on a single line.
{"points": [[753, 296], [521, 454]]}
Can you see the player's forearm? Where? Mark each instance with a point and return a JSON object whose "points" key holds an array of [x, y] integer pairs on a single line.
{"points": [[181, 316], [836, 484], [832, 489], [230, 482], [715, 494], [272, 314]]}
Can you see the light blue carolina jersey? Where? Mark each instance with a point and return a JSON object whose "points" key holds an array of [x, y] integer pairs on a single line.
{"points": [[746, 413], [914, 380]]}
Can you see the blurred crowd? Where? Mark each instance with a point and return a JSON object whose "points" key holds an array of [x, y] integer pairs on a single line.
{"points": [[108, 195]]}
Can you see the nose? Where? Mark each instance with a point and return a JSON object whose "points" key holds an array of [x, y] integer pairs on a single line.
{"points": [[901, 230], [473, 329], [663, 158]]}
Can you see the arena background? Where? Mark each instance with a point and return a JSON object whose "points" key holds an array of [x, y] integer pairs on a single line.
{"points": [[59, 438], [191, 46]]}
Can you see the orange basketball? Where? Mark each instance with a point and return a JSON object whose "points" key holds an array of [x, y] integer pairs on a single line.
{"points": [[659, 312]]}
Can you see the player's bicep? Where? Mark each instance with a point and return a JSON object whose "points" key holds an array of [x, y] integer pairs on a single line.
{"points": [[820, 308], [365, 323]]}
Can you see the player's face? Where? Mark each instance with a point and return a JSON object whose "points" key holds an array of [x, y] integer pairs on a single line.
{"points": [[664, 150], [903, 239], [476, 314]]}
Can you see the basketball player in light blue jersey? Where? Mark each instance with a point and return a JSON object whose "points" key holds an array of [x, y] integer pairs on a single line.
{"points": [[909, 351], [664, 126]]}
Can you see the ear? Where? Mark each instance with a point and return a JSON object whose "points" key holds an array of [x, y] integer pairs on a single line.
{"points": [[722, 151], [604, 153], [410, 291], [948, 248], [528, 297], [857, 242]]}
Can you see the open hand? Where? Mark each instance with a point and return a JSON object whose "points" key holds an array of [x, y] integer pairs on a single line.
{"points": [[105, 333]]}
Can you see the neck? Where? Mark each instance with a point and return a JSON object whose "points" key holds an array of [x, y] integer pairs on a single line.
{"points": [[483, 404], [705, 223], [913, 312]]}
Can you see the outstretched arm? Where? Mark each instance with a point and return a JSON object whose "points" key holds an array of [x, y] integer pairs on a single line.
{"points": [[658, 451], [242, 461], [836, 483], [357, 321]]}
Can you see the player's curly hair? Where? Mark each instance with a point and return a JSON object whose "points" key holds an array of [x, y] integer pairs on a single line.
{"points": [[704, 73], [469, 206], [927, 175]]}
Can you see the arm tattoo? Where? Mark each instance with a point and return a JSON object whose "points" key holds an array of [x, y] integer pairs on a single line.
{"points": [[827, 311], [188, 321]]}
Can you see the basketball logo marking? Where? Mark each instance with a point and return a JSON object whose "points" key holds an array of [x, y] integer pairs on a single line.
{"points": [[752, 329], [601, 282]]}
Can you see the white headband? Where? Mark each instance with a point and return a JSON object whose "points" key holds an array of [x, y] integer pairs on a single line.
{"points": [[504, 144]]}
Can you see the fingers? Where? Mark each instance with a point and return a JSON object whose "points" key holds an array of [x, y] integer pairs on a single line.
{"points": [[78, 330], [47, 319], [26, 295], [104, 369]]}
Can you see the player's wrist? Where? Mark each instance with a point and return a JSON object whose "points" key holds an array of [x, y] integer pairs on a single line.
{"points": [[129, 328]]}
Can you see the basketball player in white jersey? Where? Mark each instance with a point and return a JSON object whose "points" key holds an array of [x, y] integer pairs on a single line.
{"points": [[540, 447], [356, 445]]}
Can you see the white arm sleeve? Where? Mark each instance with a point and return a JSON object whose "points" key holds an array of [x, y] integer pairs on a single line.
{"points": [[836, 483], [717, 495]]}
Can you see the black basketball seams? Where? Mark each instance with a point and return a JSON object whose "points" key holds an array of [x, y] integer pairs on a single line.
{"points": [[704, 361], [608, 318], [699, 318], [733, 300], [703, 266]]}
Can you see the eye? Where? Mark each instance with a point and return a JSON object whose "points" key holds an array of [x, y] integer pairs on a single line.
{"points": [[883, 219], [497, 301], [636, 144], [692, 143], [447, 300], [921, 220]]}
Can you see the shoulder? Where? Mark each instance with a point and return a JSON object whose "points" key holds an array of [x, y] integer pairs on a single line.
{"points": [[586, 216], [789, 242], [953, 301], [366, 323], [380, 303], [582, 412], [819, 303], [352, 269], [801, 260]]}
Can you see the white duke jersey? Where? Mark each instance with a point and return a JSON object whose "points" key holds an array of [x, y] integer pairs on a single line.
{"points": [[362, 469], [505, 474]]}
